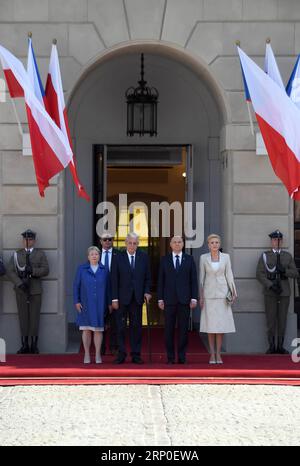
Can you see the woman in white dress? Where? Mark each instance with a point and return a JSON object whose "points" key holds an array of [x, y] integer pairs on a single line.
{"points": [[217, 293]]}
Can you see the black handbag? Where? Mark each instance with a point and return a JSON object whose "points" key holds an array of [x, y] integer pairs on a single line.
{"points": [[229, 296]]}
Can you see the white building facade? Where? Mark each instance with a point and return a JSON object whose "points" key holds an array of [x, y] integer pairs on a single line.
{"points": [[190, 57]]}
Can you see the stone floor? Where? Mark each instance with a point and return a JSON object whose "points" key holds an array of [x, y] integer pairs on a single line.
{"points": [[150, 415]]}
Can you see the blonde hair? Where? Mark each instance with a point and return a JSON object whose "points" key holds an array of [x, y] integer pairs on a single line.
{"points": [[213, 235], [93, 248]]}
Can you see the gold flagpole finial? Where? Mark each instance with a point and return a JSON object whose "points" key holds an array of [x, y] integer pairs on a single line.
{"points": [[29, 34], [238, 43], [54, 42], [268, 40]]}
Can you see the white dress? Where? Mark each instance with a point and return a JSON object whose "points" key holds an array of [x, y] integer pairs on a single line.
{"points": [[215, 280]]}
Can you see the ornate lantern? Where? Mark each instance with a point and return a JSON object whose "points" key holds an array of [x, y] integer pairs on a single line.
{"points": [[142, 107]]}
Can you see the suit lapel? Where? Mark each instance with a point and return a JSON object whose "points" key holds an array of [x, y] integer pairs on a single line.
{"points": [[171, 263], [183, 262], [126, 261], [137, 261]]}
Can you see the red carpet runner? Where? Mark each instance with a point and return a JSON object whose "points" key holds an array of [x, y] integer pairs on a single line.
{"points": [[68, 369]]}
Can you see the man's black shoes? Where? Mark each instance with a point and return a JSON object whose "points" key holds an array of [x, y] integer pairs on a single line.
{"points": [[137, 360]]}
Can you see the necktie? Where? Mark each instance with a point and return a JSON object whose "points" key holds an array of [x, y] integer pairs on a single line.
{"points": [[177, 264], [132, 262], [106, 262]]}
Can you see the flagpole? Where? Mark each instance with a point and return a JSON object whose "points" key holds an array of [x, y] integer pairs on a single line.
{"points": [[238, 44], [250, 118], [17, 117]]}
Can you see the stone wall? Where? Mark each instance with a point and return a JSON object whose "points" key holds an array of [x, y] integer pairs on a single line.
{"points": [[254, 201]]}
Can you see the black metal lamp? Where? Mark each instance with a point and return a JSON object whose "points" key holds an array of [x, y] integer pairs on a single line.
{"points": [[142, 107]]}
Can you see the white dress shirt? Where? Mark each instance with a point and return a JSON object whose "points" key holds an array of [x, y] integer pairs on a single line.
{"points": [[129, 258], [179, 254], [103, 254]]}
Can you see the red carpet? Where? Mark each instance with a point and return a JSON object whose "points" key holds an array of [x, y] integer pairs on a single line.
{"points": [[68, 369]]}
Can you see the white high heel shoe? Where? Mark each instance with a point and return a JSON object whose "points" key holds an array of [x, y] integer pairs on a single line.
{"points": [[98, 360], [87, 359], [212, 359]]}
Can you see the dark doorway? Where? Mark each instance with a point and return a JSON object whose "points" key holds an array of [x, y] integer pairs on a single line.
{"points": [[145, 174]]}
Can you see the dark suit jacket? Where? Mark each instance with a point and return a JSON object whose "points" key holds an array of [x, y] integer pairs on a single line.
{"points": [[2, 268], [125, 283], [177, 287]]}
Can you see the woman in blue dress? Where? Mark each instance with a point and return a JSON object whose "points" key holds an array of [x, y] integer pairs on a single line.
{"points": [[91, 297]]}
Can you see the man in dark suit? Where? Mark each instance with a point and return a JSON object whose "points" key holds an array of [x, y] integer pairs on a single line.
{"points": [[107, 258], [131, 281], [177, 293]]}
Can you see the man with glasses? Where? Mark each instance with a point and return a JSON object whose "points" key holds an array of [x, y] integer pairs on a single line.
{"points": [[131, 282], [108, 256]]}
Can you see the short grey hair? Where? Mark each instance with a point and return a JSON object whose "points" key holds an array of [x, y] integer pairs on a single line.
{"points": [[132, 236], [93, 248]]}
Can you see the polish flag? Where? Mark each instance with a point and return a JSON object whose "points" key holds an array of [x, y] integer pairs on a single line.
{"points": [[50, 148], [279, 122], [57, 110], [271, 67]]}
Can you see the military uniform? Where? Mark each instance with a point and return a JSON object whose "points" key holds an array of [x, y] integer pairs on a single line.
{"points": [[26, 274], [2, 268], [273, 271]]}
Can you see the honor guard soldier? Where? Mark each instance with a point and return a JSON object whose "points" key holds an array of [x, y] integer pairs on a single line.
{"points": [[2, 268], [26, 268], [274, 269]]}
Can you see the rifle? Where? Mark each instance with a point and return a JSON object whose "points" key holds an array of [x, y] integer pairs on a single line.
{"points": [[149, 322], [277, 281], [27, 275]]}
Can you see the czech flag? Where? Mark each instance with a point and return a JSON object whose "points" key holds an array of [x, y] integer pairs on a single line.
{"points": [[293, 86], [279, 122], [50, 148], [57, 110], [34, 75]]}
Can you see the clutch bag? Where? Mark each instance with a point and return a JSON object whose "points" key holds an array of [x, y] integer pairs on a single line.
{"points": [[229, 297]]}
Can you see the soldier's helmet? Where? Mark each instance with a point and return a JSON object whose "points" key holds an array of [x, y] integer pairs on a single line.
{"points": [[276, 234], [28, 234]]}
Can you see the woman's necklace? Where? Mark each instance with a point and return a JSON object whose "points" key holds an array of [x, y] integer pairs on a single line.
{"points": [[215, 259]]}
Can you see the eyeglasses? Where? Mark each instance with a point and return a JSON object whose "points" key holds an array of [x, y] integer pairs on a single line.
{"points": [[107, 239]]}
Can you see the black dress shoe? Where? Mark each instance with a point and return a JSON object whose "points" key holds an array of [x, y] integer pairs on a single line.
{"points": [[181, 361], [34, 348], [119, 361], [137, 360], [25, 349], [171, 361]]}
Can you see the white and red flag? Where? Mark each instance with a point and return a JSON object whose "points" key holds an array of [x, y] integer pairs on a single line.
{"points": [[279, 122], [50, 148], [57, 110], [271, 67]]}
